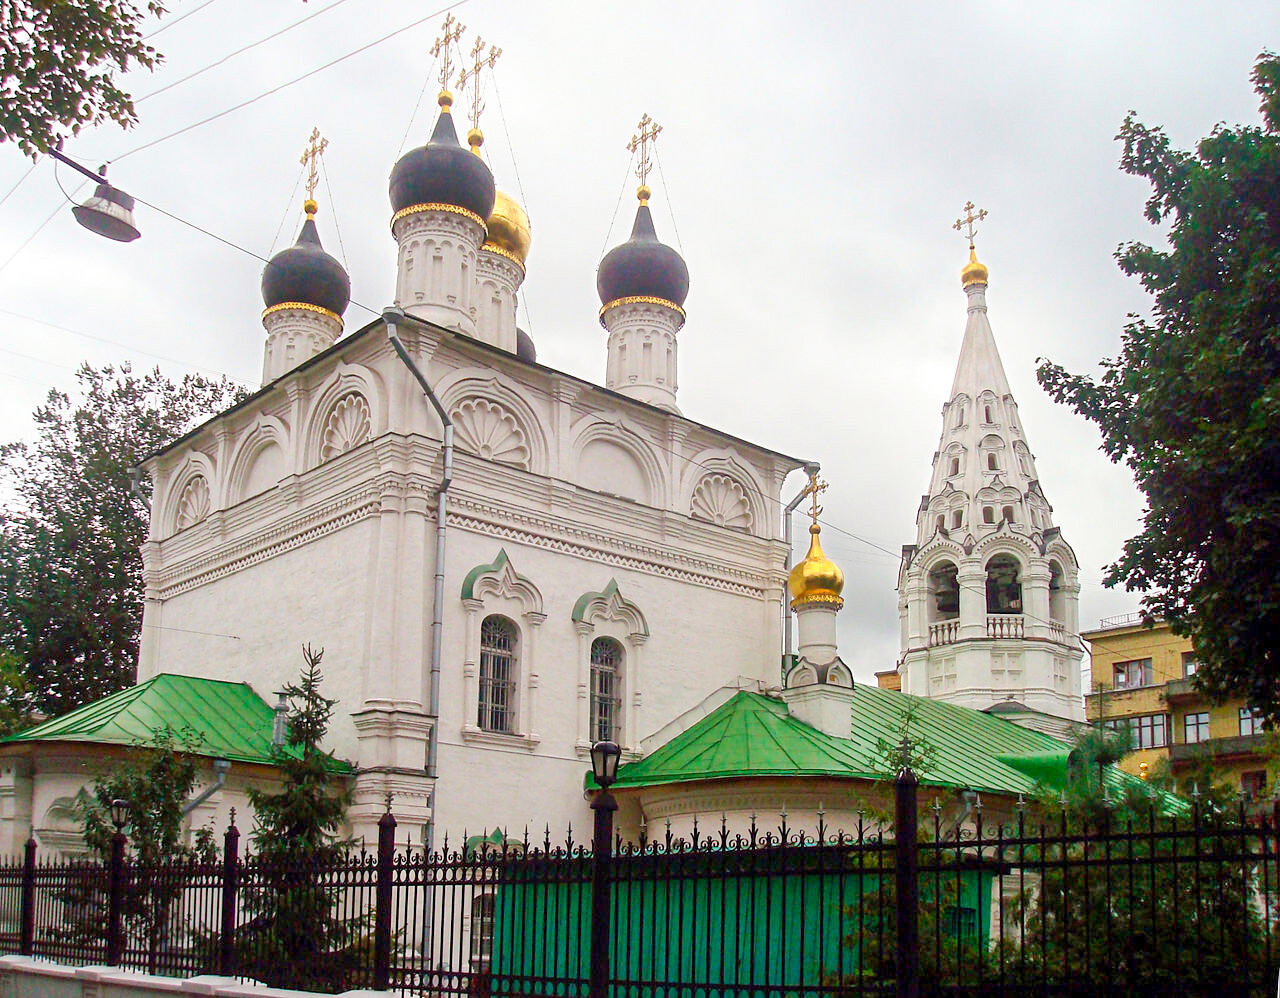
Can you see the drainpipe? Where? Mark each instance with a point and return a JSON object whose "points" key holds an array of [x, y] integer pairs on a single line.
{"points": [[220, 767], [393, 317], [810, 468]]}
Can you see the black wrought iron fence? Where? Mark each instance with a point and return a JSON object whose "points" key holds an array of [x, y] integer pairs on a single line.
{"points": [[1131, 902]]}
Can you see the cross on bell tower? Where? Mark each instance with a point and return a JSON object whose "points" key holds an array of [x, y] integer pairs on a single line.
{"points": [[640, 144], [967, 224], [480, 62], [442, 49]]}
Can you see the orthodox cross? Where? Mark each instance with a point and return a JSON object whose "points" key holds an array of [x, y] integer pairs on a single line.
{"points": [[811, 490], [648, 133], [442, 46], [311, 159], [481, 63], [967, 225]]}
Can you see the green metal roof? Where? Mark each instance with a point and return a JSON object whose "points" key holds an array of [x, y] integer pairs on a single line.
{"points": [[751, 735], [229, 720]]}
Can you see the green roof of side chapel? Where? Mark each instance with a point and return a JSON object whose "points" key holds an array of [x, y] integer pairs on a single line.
{"points": [[228, 720], [752, 735]]}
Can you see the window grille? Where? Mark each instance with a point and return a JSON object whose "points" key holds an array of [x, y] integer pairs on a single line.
{"points": [[606, 690], [497, 675]]}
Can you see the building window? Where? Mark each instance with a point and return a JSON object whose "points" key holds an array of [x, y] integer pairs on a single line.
{"points": [[942, 521], [1145, 731], [986, 412], [497, 675], [957, 519], [992, 463], [959, 415], [944, 584], [1132, 675], [988, 514], [1253, 784], [1190, 664], [1250, 721], [1007, 511], [481, 931], [954, 468], [606, 689], [1004, 588], [1195, 727]]}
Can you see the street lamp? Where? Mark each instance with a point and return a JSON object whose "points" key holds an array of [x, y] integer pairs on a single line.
{"points": [[115, 895], [604, 766], [109, 212]]}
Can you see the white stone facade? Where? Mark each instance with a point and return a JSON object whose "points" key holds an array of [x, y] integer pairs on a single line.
{"points": [[988, 596], [307, 514], [436, 264], [642, 349]]}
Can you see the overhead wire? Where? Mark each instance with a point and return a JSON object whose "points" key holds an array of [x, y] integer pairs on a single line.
{"points": [[333, 210], [523, 294], [614, 220], [240, 51], [288, 83], [30, 170], [288, 208], [181, 17]]}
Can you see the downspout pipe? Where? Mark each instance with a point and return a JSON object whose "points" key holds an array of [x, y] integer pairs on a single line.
{"points": [[810, 468], [394, 317], [220, 768]]}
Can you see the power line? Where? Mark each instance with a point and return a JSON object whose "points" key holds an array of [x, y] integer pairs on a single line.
{"points": [[239, 51], [623, 190], [289, 83], [181, 17], [30, 170]]}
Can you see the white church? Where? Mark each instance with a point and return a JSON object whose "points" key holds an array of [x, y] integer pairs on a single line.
{"points": [[505, 563]]}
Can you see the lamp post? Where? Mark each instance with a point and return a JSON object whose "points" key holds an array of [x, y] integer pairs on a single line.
{"points": [[109, 212], [604, 766], [115, 889]]}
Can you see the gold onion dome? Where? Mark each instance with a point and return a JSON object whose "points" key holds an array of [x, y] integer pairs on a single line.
{"points": [[509, 228], [817, 579], [974, 272]]}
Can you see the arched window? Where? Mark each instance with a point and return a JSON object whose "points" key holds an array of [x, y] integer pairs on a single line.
{"points": [[606, 690], [1007, 511], [942, 520], [960, 415], [1004, 588], [993, 464], [945, 587], [954, 467], [986, 412], [1057, 598], [498, 675], [988, 514], [957, 519]]}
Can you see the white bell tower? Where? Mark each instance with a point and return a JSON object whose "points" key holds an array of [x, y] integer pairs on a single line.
{"points": [[988, 595]]}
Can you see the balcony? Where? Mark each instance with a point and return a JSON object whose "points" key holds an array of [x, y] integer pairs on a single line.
{"points": [[944, 632], [1181, 689], [1217, 748], [1004, 625]]}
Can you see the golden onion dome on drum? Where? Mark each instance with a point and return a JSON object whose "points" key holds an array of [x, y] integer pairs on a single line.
{"points": [[816, 579], [974, 272], [509, 228]]}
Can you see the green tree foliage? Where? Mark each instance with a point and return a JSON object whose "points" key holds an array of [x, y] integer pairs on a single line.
{"points": [[58, 66], [156, 781], [1192, 404], [70, 564], [294, 935]]}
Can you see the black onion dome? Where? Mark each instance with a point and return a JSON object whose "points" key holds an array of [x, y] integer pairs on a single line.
{"points": [[442, 172], [643, 267], [525, 349], [305, 273]]}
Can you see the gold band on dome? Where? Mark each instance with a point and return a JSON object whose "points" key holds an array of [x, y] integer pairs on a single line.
{"points": [[304, 306], [641, 300], [491, 247], [452, 209], [818, 598]]}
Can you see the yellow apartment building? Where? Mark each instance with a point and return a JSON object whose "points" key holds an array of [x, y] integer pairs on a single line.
{"points": [[1141, 681]]}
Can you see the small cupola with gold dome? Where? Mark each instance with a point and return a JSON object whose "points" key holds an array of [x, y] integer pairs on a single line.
{"points": [[816, 583], [642, 285], [441, 195], [304, 289]]}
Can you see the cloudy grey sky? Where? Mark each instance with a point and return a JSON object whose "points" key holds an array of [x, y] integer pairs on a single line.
{"points": [[813, 158]]}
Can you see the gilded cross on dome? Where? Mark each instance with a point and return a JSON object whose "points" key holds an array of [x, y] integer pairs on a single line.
{"points": [[443, 46], [472, 75], [967, 224], [311, 159], [640, 144], [811, 490]]}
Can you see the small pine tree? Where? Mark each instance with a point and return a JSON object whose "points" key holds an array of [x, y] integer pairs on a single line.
{"points": [[293, 936]]}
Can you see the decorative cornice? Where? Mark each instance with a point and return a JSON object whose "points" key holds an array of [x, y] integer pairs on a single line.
{"points": [[450, 209], [491, 247], [304, 307], [641, 300]]}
